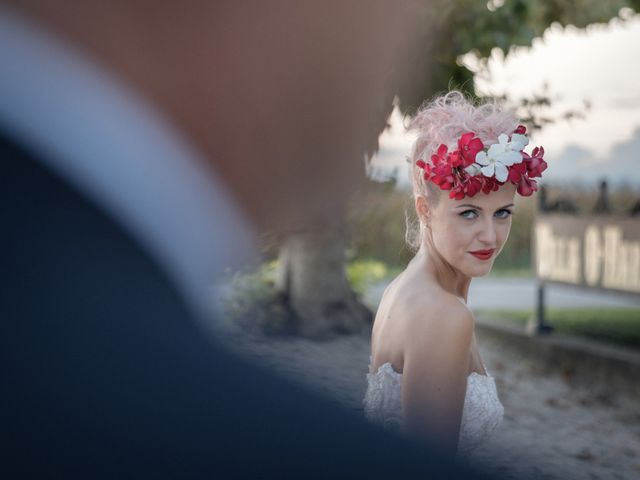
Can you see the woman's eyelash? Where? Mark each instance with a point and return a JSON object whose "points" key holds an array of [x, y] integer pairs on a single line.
{"points": [[509, 212]]}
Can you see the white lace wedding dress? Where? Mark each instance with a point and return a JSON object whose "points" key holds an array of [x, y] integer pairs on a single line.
{"points": [[482, 412]]}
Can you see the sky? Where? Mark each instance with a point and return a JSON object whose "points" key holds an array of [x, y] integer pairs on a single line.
{"points": [[600, 64]]}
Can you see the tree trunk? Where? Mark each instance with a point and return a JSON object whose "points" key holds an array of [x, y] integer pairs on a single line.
{"points": [[312, 278]]}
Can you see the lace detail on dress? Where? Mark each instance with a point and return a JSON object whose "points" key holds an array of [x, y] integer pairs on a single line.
{"points": [[482, 412]]}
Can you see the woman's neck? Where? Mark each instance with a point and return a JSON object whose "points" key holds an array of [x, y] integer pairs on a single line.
{"points": [[449, 278]]}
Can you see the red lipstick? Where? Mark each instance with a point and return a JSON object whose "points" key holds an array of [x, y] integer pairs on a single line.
{"points": [[483, 254]]}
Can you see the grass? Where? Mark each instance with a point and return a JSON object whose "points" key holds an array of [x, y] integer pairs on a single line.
{"points": [[616, 325], [252, 296], [363, 271]]}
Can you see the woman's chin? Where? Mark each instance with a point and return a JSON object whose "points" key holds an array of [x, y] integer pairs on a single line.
{"points": [[483, 274], [480, 270]]}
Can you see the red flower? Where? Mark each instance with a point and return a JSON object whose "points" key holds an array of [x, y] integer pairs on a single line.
{"points": [[440, 157], [457, 191], [490, 184], [516, 171], [468, 186], [535, 163], [469, 145], [473, 186], [428, 169], [527, 186], [447, 169], [455, 159], [443, 177]]}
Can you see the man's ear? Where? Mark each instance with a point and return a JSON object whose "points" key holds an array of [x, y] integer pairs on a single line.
{"points": [[422, 209]]}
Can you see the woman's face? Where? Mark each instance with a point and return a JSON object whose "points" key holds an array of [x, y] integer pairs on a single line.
{"points": [[460, 228]]}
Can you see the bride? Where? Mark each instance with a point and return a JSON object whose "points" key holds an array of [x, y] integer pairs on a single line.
{"points": [[426, 377]]}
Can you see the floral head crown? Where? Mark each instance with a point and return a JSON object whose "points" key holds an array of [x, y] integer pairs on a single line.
{"points": [[473, 167]]}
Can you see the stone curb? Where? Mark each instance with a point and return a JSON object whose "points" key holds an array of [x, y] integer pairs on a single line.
{"points": [[582, 362]]}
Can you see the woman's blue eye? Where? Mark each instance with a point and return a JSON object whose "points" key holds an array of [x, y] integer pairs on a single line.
{"points": [[464, 214], [502, 213], [508, 213]]}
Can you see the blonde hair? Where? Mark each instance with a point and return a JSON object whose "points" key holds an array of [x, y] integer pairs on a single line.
{"points": [[442, 120]]}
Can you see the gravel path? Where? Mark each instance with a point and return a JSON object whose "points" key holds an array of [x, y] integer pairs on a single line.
{"points": [[551, 430]]}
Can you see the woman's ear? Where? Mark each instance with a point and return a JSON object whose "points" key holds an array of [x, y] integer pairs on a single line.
{"points": [[422, 209]]}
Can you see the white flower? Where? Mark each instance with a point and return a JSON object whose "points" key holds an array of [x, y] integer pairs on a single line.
{"points": [[501, 155], [518, 142], [473, 169]]}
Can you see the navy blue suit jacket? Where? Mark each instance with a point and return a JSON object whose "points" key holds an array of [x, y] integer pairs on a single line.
{"points": [[104, 372]]}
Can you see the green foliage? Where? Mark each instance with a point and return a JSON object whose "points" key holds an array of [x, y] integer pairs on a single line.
{"points": [[255, 284], [616, 325], [512, 272], [447, 31], [253, 303], [376, 224], [516, 253], [363, 273], [478, 27], [515, 23]]}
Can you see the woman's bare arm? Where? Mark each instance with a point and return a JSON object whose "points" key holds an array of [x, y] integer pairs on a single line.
{"points": [[436, 364]]}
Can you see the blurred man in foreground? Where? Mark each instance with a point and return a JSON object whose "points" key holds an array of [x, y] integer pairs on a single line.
{"points": [[141, 144]]}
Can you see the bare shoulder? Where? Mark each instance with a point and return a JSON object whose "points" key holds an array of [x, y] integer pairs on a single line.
{"points": [[392, 285], [440, 316], [426, 306], [436, 364], [419, 320]]}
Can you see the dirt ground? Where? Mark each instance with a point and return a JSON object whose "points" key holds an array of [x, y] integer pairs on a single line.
{"points": [[551, 430]]}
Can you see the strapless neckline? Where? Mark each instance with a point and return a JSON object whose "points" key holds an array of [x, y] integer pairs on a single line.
{"points": [[389, 369], [482, 410]]}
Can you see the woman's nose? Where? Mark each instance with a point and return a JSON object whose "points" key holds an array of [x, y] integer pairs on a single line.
{"points": [[488, 233]]}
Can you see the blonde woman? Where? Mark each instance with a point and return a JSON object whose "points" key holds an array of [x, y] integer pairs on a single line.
{"points": [[426, 377]]}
